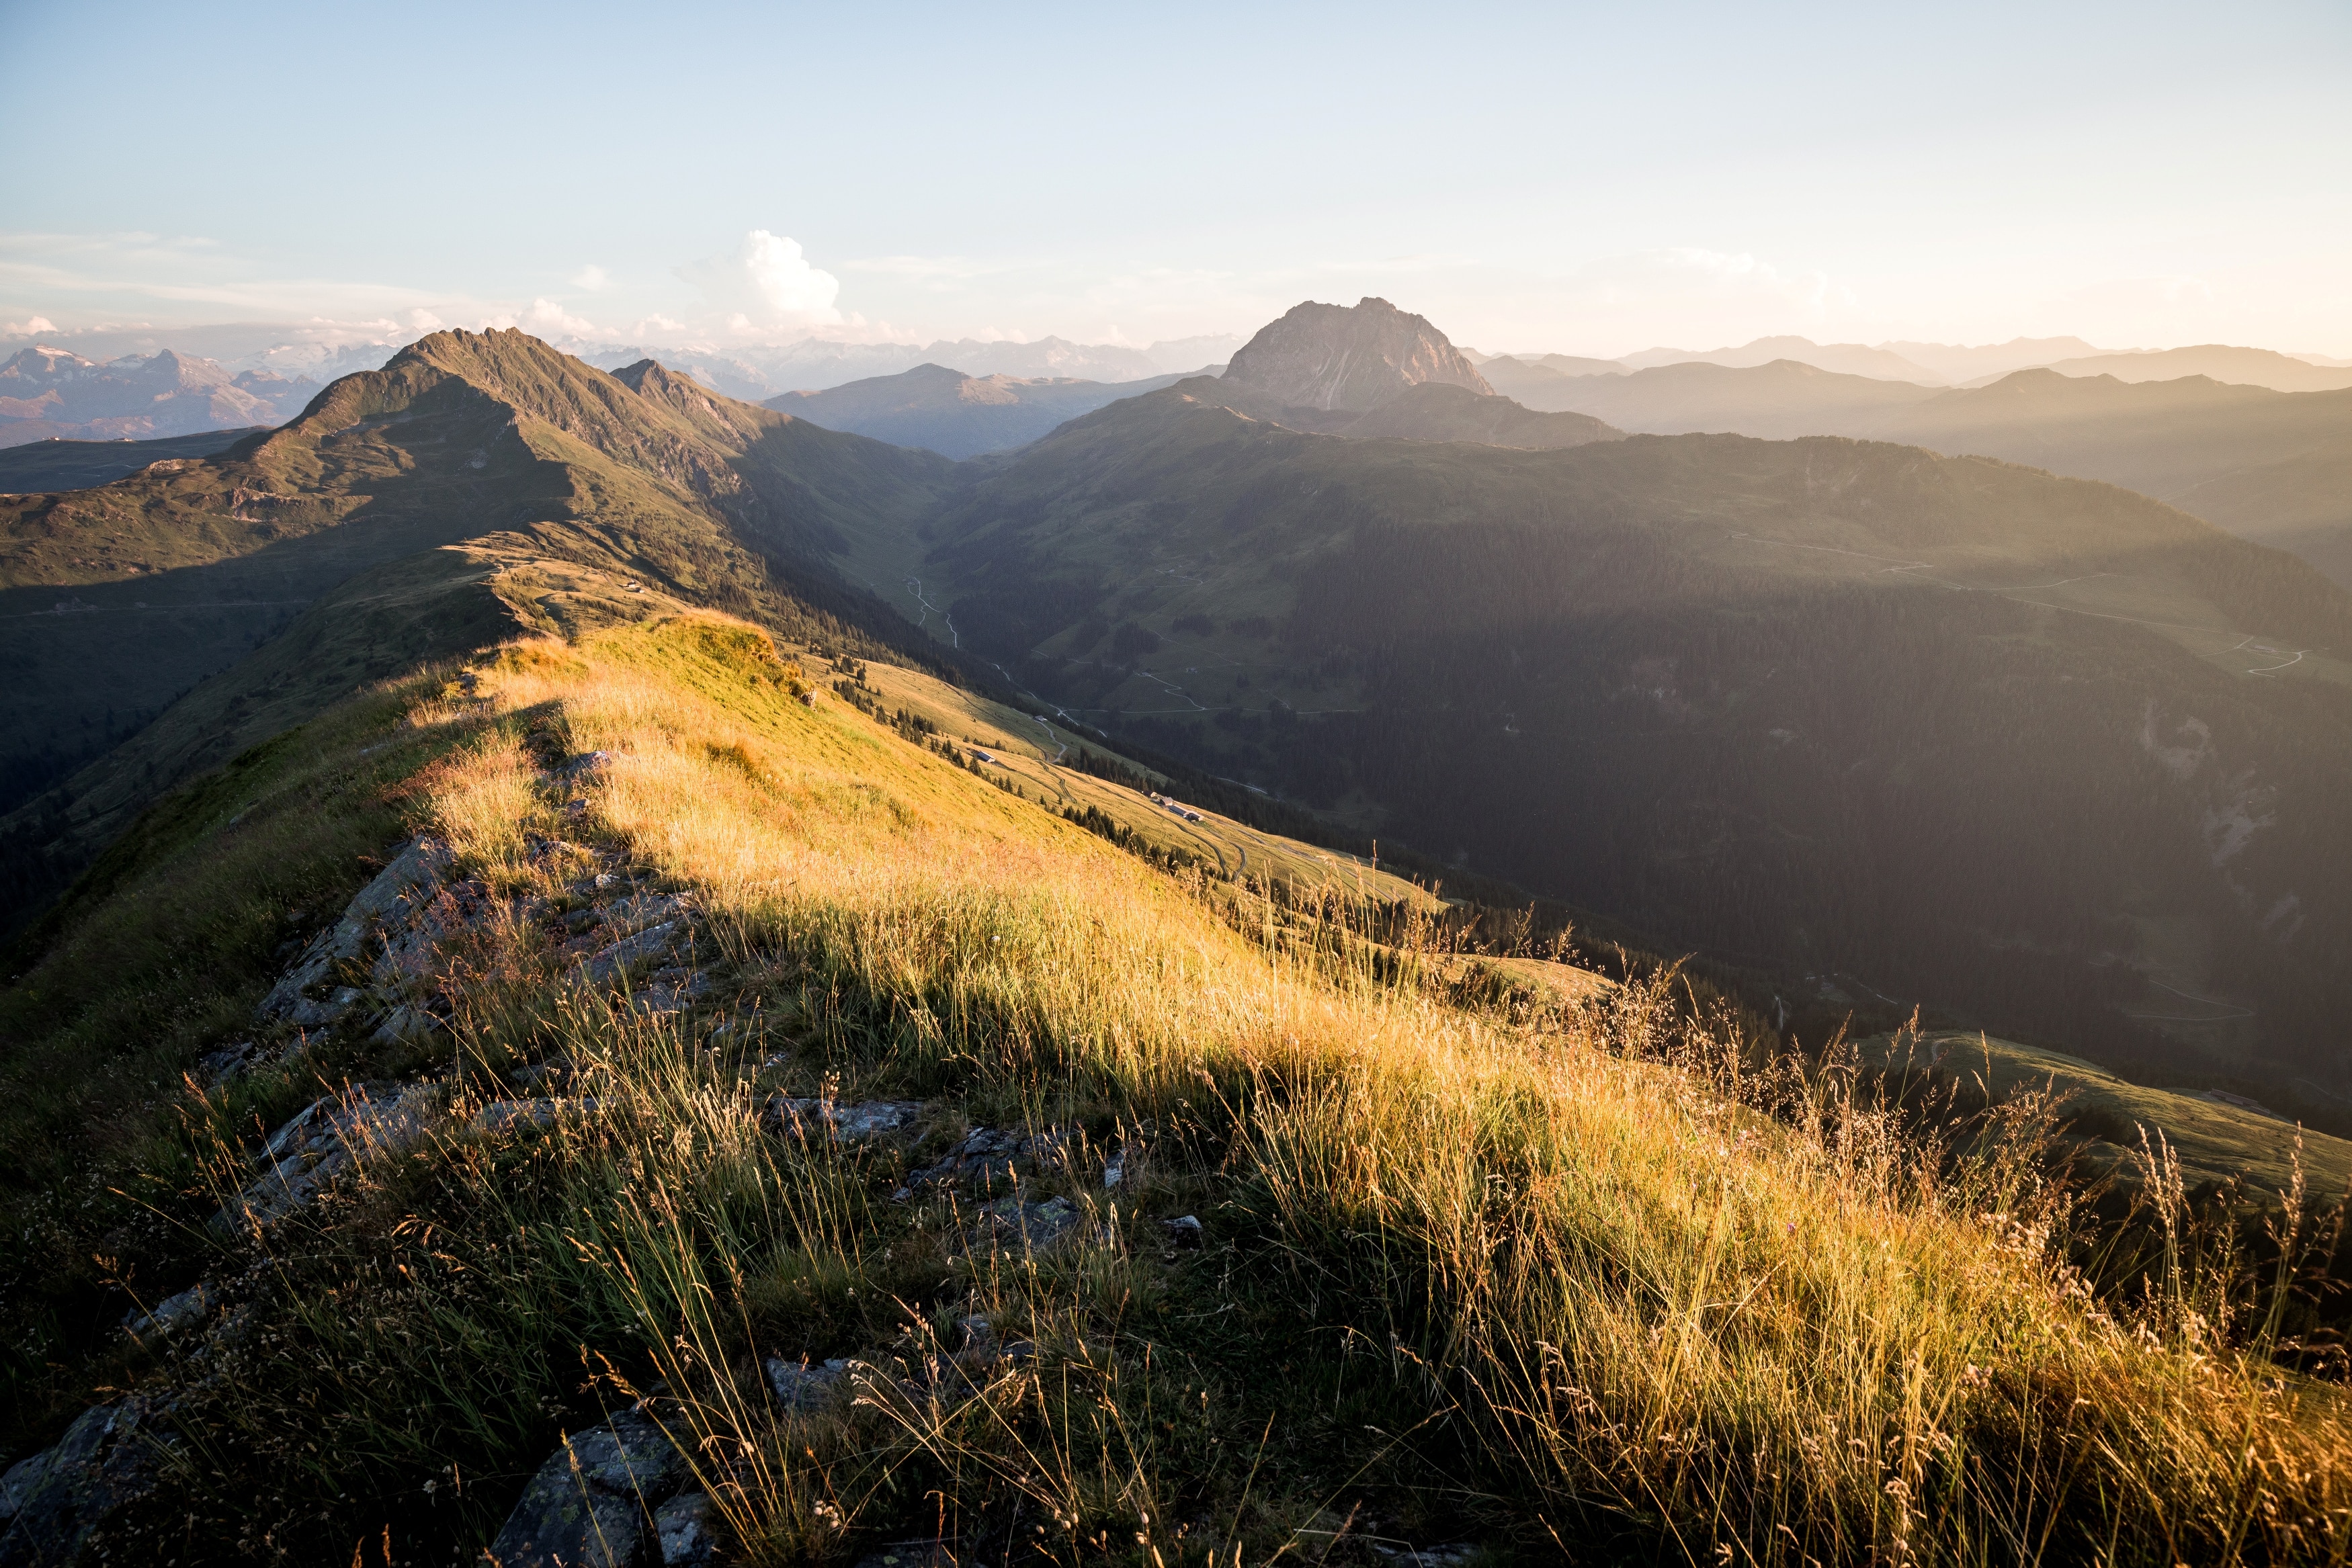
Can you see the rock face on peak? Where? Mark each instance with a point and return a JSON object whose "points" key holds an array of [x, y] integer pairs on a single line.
{"points": [[1336, 357]]}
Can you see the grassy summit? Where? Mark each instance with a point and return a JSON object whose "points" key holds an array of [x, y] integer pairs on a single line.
{"points": [[1546, 1269]]}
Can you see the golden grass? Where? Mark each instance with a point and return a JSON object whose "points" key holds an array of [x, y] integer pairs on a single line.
{"points": [[1756, 1323]]}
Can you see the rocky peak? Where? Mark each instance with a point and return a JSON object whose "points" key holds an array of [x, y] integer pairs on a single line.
{"points": [[1336, 357], [40, 360]]}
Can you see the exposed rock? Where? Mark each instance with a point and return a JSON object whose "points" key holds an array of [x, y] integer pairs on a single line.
{"points": [[591, 1502], [225, 1061], [800, 1387], [686, 1530], [659, 925], [671, 990], [987, 1156], [304, 994], [1334, 356], [1014, 1226], [170, 1315], [406, 1023], [306, 1153], [1115, 1169], [50, 1503], [846, 1123], [1184, 1234]]}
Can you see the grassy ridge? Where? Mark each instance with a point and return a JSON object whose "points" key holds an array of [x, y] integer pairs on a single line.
{"points": [[1578, 1276]]}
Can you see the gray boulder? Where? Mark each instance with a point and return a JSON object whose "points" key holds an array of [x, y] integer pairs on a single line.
{"points": [[800, 1387], [1010, 1225], [686, 1530], [591, 1503], [988, 1156], [616, 960], [304, 994], [169, 1316], [306, 1153], [51, 1504], [846, 1123]]}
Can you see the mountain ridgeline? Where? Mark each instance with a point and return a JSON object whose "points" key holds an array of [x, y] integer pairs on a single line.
{"points": [[478, 486], [1888, 727]]}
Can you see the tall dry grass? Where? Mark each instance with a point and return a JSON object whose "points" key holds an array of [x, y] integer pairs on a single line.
{"points": [[1741, 1319]]}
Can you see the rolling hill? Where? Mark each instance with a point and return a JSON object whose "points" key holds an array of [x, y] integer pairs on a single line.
{"points": [[2271, 466], [39, 467], [1778, 402], [2216, 361], [1842, 359]]}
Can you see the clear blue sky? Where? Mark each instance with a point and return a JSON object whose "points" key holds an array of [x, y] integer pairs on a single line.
{"points": [[1589, 179]]}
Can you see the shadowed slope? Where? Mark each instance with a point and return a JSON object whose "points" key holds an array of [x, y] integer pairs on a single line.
{"points": [[2028, 749]]}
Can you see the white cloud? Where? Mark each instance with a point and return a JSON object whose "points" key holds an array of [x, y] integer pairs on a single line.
{"points": [[425, 320], [27, 328], [766, 283], [591, 278]]}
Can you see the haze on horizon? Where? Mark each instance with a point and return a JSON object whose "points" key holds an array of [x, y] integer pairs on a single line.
{"points": [[1565, 179]]}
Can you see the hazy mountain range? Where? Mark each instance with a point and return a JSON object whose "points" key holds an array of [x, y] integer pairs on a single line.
{"points": [[1947, 364], [955, 414], [1709, 685], [48, 393], [2271, 466]]}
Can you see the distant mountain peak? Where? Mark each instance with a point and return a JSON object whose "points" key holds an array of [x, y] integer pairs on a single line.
{"points": [[1340, 357]]}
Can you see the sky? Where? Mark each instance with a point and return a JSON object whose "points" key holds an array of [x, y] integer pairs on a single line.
{"points": [[1580, 179]]}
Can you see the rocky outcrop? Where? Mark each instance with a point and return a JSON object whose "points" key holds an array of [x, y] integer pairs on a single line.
{"points": [[593, 1503], [1331, 357], [805, 1118], [308, 1151], [52, 1503], [988, 1156], [312, 992]]}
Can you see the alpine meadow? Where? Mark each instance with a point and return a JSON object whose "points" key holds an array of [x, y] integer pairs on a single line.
{"points": [[802, 905]]}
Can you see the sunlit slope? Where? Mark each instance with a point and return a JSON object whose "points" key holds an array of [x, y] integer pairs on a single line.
{"points": [[118, 598], [1542, 1243], [2217, 1136], [2271, 466], [1045, 761], [2037, 751]]}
